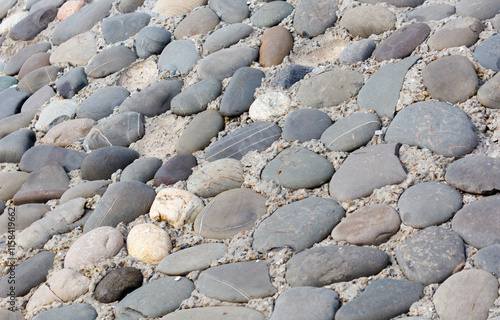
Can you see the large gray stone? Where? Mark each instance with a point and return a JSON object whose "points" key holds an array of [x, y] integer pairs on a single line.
{"points": [[196, 97], [177, 168], [179, 56], [480, 9], [238, 96], [456, 33], [193, 258], [230, 11], [103, 162], [290, 75], [198, 133], [15, 122], [101, 104], [488, 259], [42, 155], [13, 146], [71, 82], [306, 303], [141, 170], [489, 93], [200, 21], [397, 3], [12, 101], [36, 101], [364, 21], [358, 51], [37, 79], [477, 174], [271, 14], [151, 40], [33, 24], [402, 42], [226, 37], [110, 61], [488, 51], [85, 190], [313, 17], [305, 124], [224, 63], [15, 63], [431, 13], [55, 113], [76, 51], [80, 311], [121, 27]]}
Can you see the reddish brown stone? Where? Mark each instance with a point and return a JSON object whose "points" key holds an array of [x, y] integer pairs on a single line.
{"points": [[277, 42]]}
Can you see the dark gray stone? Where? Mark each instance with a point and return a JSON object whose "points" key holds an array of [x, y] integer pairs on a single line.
{"points": [[12, 101], [271, 14], [431, 255], [109, 61], [298, 225], [397, 3], [381, 91], [226, 37], [305, 124], [37, 99], [32, 25], [24, 216], [198, 257], [122, 202], [119, 130], [117, 284], [38, 78], [313, 17], [429, 124], [42, 155], [297, 168], [121, 27], [289, 75], [489, 93], [154, 100], [478, 223], [216, 177], [101, 104], [230, 212], [431, 13], [196, 97], [428, 204], [363, 21], [15, 63], [456, 33], [480, 9], [103, 162], [238, 96], [85, 190], [215, 313], [179, 56], [358, 51], [366, 169], [257, 136], [402, 42], [178, 168], [224, 63], [71, 83], [322, 266], [151, 41], [382, 300], [13, 146], [154, 299], [80, 311], [306, 303], [477, 174], [28, 274], [10, 183], [236, 282], [488, 259], [127, 6], [230, 11], [198, 133], [141, 170], [15, 122], [487, 53]]}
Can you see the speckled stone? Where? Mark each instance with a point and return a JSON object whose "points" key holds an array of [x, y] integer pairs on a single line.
{"points": [[198, 257], [238, 96], [477, 174], [141, 170], [151, 41], [487, 53], [456, 33], [179, 56], [176, 206], [488, 259], [148, 243], [489, 93], [200, 131], [364, 21], [225, 37], [109, 61], [121, 27], [313, 17], [306, 303], [200, 21], [402, 42], [269, 106], [177, 168], [224, 63], [103, 162], [42, 155], [117, 284], [271, 14], [196, 97], [69, 8], [216, 177], [230, 11]]}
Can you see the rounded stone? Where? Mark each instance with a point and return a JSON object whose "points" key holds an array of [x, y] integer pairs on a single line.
{"points": [[477, 174], [56, 112], [38, 78], [364, 21], [178, 168], [200, 131], [312, 18], [480, 9], [214, 313], [110, 61], [487, 53], [489, 93], [358, 51], [176, 206], [69, 8], [117, 284], [101, 103], [11, 182], [200, 21], [14, 145], [34, 62], [239, 94], [216, 177], [71, 82], [141, 170], [289, 75], [17, 60], [67, 132], [121, 27], [103, 162], [198, 257], [224, 63], [225, 37], [306, 303], [196, 98], [151, 41], [276, 44], [78, 311], [179, 56], [76, 51], [230, 11], [305, 124], [271, 14], [148, 243], [488, 259], [456, 33]]}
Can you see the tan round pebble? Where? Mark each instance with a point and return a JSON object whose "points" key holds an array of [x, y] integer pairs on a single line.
{"points": [[148, 243], [176, 206]]}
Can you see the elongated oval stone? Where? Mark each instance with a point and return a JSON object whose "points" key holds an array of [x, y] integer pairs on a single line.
{"points": [[313, 17], [38, 78], [15, 63], [238, 96], [364, 21], [13, 146], [177, 168], [209, 313], [178, 57], [224, 63], [42, 155], [230, 11], [110, 61], [32, 25], [402, 42], [194, 258], [477, 174], [196, 98], [197, 135], [216, 177], [489, 93], [226, 36], [101, 104], [103, 162], [124, 26]]}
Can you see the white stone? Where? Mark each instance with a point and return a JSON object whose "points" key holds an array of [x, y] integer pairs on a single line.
{"points": [[55, 113], [148, 243], [176, 206], [11, 21], [77, 51], [269, 105]]}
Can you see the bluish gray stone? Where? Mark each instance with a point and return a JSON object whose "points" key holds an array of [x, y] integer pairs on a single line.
{"points": [[121, 27], [289, 75], [198, 133], [488, 259], [477, 174], [109, 61], [224, 63], [13, 146], [42, 155], [141, 170], [80, 311], [151, 40], [33, 24], [7, 82], [256, 136], [101, 104], [37, 79], [196, 97], [238, 96], [122, 202], [313, 17], [236, 282], [487, 53], [351, 132], [179, 56], [5, 6], [322, 266], [230, 11], [297, 168], [15, 63], [429, 124], [480, 9], [12, 101], [271, 14], [71, 83], [358, 51], [381, 91], [103, 162], [215, 313], [459, 32], [177, 168], [428, 204], [402, 42], [306, 303], [305, 124], [85, 190], [225, 37], [198, 257], [382, 300], [298, 225], [431, 255], [431, 13]]}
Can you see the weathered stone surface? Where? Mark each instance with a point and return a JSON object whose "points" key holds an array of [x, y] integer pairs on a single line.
{"points": [[34, 62], [103, 162], [151, 40], [225, 37], [489, 93], [230, 11], [480, 9], [14, 145], [269, 106], [177, 168], [230, 212], [456, 33], [32, 25], [172, 8], [430, 124], [38, 78], [198, 133], [431, 13], [366, 169], [117, 284], [176, 206], [486, 53], [402, 42], [477, 174], [141, 170], [67, 132], [12, 101], [85, 190], [305, 124], [179, 56], [321, 266], [80, 311], [148, 242], [76, 51], [196, 98], [358, 51], [216, 177], [55, 113], [236, 282], [11, 182], [306, 302], [40, 156], [70, 8], [214, 313], [238, 96], [488, 259], [271, 14], [364, 21], [110, 61], [121, 27], [194, 258], [224, 63], [200, 21], [276, 44], [312, 18], [298, 225], [15, 63]]}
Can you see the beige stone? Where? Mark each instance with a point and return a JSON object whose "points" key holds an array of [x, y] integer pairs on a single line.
{"points": [[171, 8], [148, 243], [77, 51], [67, 132], [176, 206]]}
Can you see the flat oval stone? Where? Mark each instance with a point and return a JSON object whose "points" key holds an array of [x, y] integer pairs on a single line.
{"points": [[122, 202], [29, 274], [269, 106], [121, 27], [351, 132], [179, 56], [198, 133], [456, 33], [428, 204], [12, 101], [358, 51], [117, 284], [76, 51], [85, 190], [193, 258], [364, 21], [487, 53], [305, 124], [230, 212], [382, 299], [381, 91], [214, 313], [402, 42], [14, 145], [226, 37], [369, 225], [224, 63], [55, 113], [15, 63], [429, 124], [289, 75], [216, 177], [141, 170], [71, 83], [7, 82], [118, 130], [271, 14], [312, 18], [127, 6], [34, 62], [489, 93], [38, 78], [480, 9], [297, 168], [322, 266], [148, 243], [155, 99], [9, 22], [177, 168], [41, 155], [80, 311], [431, 255], [37, 100], [154, 299], [110, 61], [236, 282], [200, 21], [32, 25], [366, 169], [238, 96], [45, 3], [103, 162], [151, 41], [477, 222], [315, 303], [488, 259], [468, 294], [67, 132], [196, 97], [68, 9], [276, 44], [298, 225], [256, 136], [477, 174], [230, 11], [25, 215], [431, 13], [330, 88], [11, 182]]}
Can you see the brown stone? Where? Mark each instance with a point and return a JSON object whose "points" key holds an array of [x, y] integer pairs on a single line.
{"points": [[277, 42], [34, 62], [68, 132]]}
